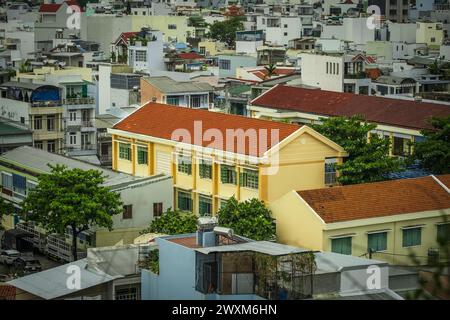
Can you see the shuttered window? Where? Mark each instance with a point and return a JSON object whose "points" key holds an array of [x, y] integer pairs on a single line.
{"points": [[227, 174], [249, 179], [342, 245], [412, 237], [377, 241]]}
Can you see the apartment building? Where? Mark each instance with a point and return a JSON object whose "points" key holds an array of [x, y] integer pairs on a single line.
{"points": [[336, 72], [145, 51], [394, 10], [248, 42], [39, 106], [431, 33], [384, 220], [196, 95], [222, 161], [399, 120], [143, 197], [78, 105]]}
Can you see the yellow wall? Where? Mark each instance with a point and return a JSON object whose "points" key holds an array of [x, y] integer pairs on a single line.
{"points": [[161, 23], [299, 225], [426, 31], [104, 238], [295, 223], [302, 166]]}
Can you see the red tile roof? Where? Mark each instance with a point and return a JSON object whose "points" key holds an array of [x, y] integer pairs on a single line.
{"points": [[262, 73], [395, 112], [190, 56], [161, 121], [370, 200], [54, 7], [49, 7], [190, 242], [7, 292]]}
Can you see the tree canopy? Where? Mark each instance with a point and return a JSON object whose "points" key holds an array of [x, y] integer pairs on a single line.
{"points": [[433, 152], [225, 31], [249, 218], [173, 222], [71, 198], [368, 159]]}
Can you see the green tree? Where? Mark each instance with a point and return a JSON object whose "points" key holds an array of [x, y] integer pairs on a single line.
{"points": [[271, 68], [72, 198], [6, 208], [368, 159], [225, 31], [250, 219], [433, 152], [173, 222]]}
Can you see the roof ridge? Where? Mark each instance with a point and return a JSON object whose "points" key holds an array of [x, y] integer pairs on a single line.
{"points": [[439, 182]]}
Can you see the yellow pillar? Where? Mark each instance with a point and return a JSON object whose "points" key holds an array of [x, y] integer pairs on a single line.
{"points": [[114, 152], [238, 183], [133, 156]]}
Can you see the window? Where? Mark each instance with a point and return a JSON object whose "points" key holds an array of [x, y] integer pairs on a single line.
{"points": [[184, 164], [224, 64], [330, 171], [433, 39], [125, 151], [285, 25], [173, 100], [196, 101], [205, 169], [30, 185], [204, 206], [184, 201], [50, 123], [72, 138], [377, 241], [249, 179], [157, 209], [51, 146], [412, 237], [443, 232], [223, 203], [172, 26], [22, 119], [38, 145], [342, 245], [127, 211], [141, 56], [142, 155], [37, 122], [19, 184], [7, 181], [73, 116], [227, 174]]}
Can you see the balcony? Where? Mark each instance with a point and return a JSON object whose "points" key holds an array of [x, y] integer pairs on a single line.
{"points": [[359, 75], [74, 103]]}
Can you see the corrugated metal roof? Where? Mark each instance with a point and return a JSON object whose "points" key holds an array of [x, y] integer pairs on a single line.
{"points": [[266, 247], [167, 85], [37, 160], [52, 283]]}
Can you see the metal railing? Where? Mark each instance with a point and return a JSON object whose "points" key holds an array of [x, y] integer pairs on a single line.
{"points": [[79, 101]]}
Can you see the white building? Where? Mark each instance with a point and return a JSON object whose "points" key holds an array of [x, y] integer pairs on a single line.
{"points": [[248, 42], [146, 54], [338, 72]]}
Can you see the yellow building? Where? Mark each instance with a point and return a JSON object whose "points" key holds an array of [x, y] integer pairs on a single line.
{"points": [[431, 33], [399, 120], [392, 218], [42, 74], [214, 156]]}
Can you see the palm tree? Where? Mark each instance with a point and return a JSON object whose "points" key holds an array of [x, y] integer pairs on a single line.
{"points": [[270, 70]]}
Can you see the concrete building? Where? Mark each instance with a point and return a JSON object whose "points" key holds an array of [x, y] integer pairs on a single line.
{"points": [[207, 174], [393, 10], [39, 106], [431, 33], [195, 95], [336, 72], [229, 62], [220, 266], [145, 52], [247, 42], [354, 220], [20, 168], [108, 273]]}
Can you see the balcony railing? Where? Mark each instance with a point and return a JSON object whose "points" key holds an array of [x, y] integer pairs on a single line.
{"points": [[87, 123], [359, 75], [46, 104], [79, 101]]}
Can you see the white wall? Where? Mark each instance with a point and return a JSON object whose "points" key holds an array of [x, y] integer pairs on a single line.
{"points": [[142, 199], [248, 47], [313, 69], [444, 52], [104, 88], [14, 110], [405, 32]]}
